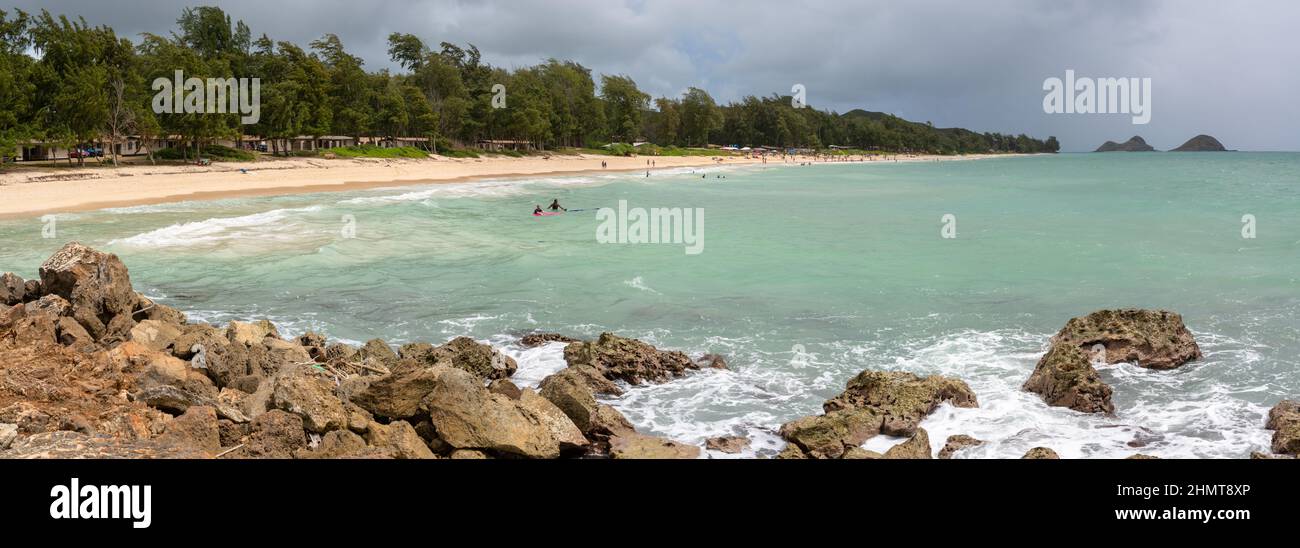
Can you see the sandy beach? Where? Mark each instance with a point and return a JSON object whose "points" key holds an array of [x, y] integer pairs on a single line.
{"points": [[35, 191]]}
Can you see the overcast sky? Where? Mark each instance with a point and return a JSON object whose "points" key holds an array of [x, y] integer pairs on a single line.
{"points": [[1226, 69]]}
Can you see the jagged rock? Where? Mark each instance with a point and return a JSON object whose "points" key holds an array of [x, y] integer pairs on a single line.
{"points": [[274, 434], [629, 360], [285, 352], [543, 412], [1140, 456], [957, 443], [311, 338], [464, 353], [1041, 453], [858, 453], [155, 334], [570, 390], [196, 428], [1155, 339], [467, 416], [95, 283], [72, 334], [727, 444], [1065, 378], [398, 394], [829, 436], [1284, 420], [146, 309], [339, 352], [376, 352], [359, 419], [469, 454], [640, 446], [12, 289], [8, 433], [398, 439], [308, 393], [250, 334], [901, 399], [340, 444], [1259, 455], [918, 447], [537, 339], [1135, 144], [36, 322]]}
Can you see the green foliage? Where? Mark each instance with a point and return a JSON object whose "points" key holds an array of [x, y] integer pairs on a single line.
{"points": [[372, 151], [211, 152]]}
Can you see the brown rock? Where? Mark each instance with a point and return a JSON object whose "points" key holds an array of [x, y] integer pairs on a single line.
{"points": [[95, 283], [155, 334], [712, 361], [274, 434], [340, 444], [858, 453], [639, 446], [1284, 420], [829, 436], [537, 339], [12, 289], [957, 443], [629, 360], [469, 454], [1155, 339], [467, 416], [196, 428], [396, 395], [727, 444], [1041, 453], [250, 334], [464, 353], [308, 393], [918, 447], [1065, 378], [545, 413], [398, 439], [505, 388]]}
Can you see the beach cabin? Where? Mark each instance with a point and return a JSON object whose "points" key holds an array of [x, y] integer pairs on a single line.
{"points": [[335, 141], [498, 145]]}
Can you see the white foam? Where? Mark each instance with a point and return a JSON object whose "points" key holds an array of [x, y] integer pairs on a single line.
{"points": [[265, 225]]}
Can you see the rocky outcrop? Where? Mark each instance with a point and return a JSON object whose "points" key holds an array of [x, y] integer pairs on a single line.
{"points": [[1284, 420], [1135, 144], [918, 447], [96, 285], [307, 392], [1155, 339], [1065, 378], [464, 353], [642, 447], [628, 360], [957, 443], [1041, 453], [1201, 143], [533, 340], [874, 402]]}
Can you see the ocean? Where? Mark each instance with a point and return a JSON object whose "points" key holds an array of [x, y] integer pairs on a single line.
{"points": [[805, 276]]}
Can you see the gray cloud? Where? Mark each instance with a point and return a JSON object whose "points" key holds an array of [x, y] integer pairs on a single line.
{"points": [[1222, 69]]}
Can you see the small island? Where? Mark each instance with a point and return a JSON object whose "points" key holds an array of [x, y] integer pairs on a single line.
{"points": [[1136, 144], [1201, 143]]}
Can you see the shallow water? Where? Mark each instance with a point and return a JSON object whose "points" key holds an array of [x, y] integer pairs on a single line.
{"points": [[808, 275]]}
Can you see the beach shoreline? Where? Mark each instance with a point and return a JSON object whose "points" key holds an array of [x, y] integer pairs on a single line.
{"points": [[35, 192]]}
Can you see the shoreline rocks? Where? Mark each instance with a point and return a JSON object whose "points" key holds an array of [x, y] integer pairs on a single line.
{"points": [[1154, 339], [1284, 421], [1065, 378]]}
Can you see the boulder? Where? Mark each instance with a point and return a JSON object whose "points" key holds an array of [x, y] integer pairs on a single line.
{"points": [[399, 440], [537, 339], [640, 446], [727, 444], [1041, 453], [858, 453], [1140, 456], [712, 361], [309, 393], [957, 443], [8, 433], [629, 360], [146, 309], [250, 334], [283, 352], [545, 413], [397, 395], [918, 447], [468, 454], [571, 391], [464, 353], [1155, 339], [95, 283], [340, 444], [1065, 378], [155, 334], [901, 399], [65, 444], [196, 428], [467, 416], [1284, 420], [274, 434], [828, 436], [73, 335], [377, 352], [505, 388], [13, 289]]}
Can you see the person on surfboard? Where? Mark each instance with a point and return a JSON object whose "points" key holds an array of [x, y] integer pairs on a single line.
{"points": [[537, 210]]}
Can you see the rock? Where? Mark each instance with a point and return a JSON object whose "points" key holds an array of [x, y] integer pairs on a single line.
{"points": [[957, 443], [8, 433], [1065, 378], [1201, 143], [196, 428], [467, 354], [1155, 339], [155, 334], [311, 338], [1284, 420], [12, 289], [359, 419], [918, 447], [66, 444], [858, 453], [900, 399], [1259, 455], [33, 289], [468, 454], [1041, 453], [72, 334], [398, 439], [543, 412], [308, 393], [95, 283], [570, 390], [505, 388], [1136, 144], [467, 416], [377, 352], [629, 360], [829, 436], [639, 446], [398, 394], [340, 444], [250, 334], [285, 352], [537, 339], [727, 444], [146, 309], [339, 352], [712, 361], [274, 434], [1140, 456]]}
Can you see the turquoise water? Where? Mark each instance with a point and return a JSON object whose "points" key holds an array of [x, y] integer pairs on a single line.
{"points": [[808, 274]]}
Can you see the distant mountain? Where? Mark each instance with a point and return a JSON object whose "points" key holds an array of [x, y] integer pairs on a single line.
{"points": [[1201, 143], [1136, 144]]}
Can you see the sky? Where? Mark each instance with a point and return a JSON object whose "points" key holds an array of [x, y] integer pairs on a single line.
{"points": [[1227, 69]]}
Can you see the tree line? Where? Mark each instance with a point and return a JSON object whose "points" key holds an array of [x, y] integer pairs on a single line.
{"points": [[66, 82]]}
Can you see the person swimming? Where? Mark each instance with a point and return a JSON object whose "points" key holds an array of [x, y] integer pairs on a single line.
{"points": [[555, 205]]}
